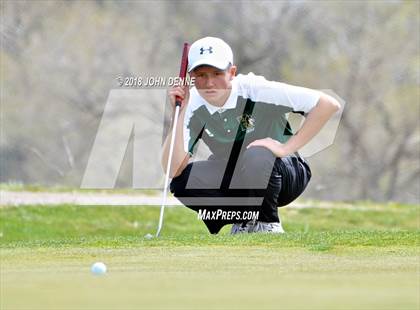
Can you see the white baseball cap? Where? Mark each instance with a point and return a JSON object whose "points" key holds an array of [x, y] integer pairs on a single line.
{"points": [[210, 51]]}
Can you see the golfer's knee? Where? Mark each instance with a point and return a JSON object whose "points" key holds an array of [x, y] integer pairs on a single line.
{"points": [[175, 186], [257, 160], [178, 184]]}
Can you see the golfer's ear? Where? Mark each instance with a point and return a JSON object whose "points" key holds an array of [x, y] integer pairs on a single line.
{"points": [[232, 71]]}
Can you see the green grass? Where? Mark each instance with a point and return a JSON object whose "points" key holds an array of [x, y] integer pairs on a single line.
{"points": [[362, 258], [102, 226]]}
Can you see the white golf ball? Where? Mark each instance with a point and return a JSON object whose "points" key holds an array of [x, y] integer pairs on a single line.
{"points": [[98, 268]]}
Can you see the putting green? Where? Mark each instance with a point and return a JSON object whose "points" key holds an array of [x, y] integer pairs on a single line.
{"points": [[210, 277], [363, 257]]}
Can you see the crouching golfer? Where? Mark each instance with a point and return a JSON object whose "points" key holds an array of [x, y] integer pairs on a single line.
{"points": [[254, 167]]}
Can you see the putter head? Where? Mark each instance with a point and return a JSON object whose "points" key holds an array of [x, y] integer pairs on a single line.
{"points": [[148, 236]]}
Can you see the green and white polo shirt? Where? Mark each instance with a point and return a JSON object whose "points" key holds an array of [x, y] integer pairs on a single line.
{"points": [[255, 109]]}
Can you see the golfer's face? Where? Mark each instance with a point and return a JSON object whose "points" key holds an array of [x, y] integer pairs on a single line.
{"points": [[213, 84]]}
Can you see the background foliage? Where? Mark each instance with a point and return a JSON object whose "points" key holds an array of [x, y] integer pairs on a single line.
{"points": [[60, 59]]}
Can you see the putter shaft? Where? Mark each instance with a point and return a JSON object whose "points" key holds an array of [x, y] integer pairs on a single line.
{"points": [[168, 170]]}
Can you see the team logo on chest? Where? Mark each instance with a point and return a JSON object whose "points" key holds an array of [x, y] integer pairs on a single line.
{"points": [[247, 122]]}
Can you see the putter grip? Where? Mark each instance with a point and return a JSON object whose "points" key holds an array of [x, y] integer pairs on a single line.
{"points": [[183, 70], [178, 102]]}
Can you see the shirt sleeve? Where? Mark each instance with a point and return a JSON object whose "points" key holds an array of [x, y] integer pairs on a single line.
{"points": [[299, 99], [191, 131]]}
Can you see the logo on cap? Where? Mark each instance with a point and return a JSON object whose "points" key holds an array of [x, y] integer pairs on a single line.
{"points": [[202, 49]]}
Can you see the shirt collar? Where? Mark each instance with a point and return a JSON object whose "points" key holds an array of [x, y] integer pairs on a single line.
{"points": [[229, 104]]}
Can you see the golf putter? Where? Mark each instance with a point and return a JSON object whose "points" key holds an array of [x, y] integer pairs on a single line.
{"points": [[182, 74]]}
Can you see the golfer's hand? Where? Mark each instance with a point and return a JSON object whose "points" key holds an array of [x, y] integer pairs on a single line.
{"points": [[277, 148], [182, 92]]}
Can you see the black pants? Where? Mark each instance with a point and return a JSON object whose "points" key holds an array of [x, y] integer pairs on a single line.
{"points": [[260, 182]]}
